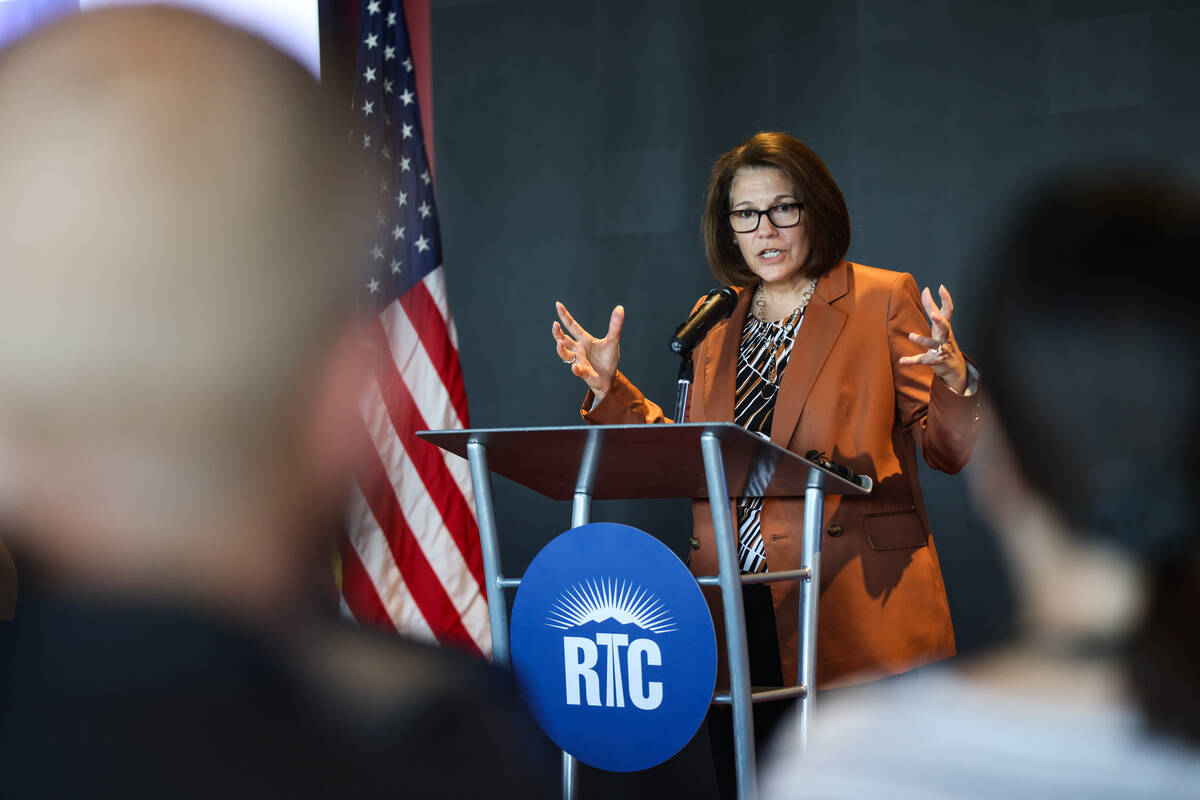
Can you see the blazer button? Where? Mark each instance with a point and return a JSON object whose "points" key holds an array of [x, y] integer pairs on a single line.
{"points": [[695, 543], [834, 530]]}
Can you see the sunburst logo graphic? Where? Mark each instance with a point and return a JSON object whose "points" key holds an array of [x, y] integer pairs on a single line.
{"points": [[597, 601]]}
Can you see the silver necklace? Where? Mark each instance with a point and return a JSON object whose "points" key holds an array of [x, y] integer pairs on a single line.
{"points": [[776, 339]]}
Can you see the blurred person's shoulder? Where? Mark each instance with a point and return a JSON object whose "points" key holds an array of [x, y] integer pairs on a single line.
{"points": [[440, 705], [933, 733], [369, 675], [153, 700]]}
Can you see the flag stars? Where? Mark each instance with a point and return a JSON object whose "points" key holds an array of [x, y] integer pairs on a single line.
{"points": [[377, 109], [373, 7]]}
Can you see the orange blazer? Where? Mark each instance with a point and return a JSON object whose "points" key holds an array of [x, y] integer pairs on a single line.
{"points": [[883, 607]]}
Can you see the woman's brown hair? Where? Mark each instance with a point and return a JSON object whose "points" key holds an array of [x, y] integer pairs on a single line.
{"points": [[825, 216]]}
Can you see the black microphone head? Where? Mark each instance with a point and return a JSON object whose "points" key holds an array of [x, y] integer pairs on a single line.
{"points": [[716, 306], [729, 299]]}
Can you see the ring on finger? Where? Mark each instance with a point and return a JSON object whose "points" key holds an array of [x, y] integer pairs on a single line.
{"points": [[572, 361]]}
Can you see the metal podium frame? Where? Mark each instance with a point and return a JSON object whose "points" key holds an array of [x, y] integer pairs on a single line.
{"points": [[757, 468]]}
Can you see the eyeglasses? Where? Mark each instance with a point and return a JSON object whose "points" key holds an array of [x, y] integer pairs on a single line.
{"points": [[784, 215]]}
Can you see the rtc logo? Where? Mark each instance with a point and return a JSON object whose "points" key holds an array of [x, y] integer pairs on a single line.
{"points": [[629, 607], [613, 646]]}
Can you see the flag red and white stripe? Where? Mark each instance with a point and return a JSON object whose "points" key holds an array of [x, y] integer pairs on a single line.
{"points": [[411, 559]]}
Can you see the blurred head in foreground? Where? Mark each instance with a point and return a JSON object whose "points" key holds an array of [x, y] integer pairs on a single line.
{"points": [[179, 374], [178, 420], [1091, 345]]}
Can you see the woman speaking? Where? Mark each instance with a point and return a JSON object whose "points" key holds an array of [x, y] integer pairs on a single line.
{"points": [[819, 354]]}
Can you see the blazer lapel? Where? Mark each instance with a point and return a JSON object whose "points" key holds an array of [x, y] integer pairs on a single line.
{"points": [[716, 372], [819, 330]]}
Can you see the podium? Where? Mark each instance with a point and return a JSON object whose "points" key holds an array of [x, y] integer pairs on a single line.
{"points": [[692, 460]]}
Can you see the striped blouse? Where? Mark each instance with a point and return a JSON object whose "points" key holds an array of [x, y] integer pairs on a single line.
{"points": [[754, 408]]}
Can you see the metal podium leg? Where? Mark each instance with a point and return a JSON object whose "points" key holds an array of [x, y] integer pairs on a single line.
{"points": [[481, 480], [810, 590], [735, 620], [581, 513]]}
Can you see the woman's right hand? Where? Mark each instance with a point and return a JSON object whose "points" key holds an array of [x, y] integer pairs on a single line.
{"points": [[594, 360]]}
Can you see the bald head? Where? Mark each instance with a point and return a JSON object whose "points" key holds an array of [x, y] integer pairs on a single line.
{"points": [[175, 222]]}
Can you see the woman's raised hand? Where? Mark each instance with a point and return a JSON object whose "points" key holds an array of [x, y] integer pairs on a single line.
{"points": [[942, 354], [594, 360]]}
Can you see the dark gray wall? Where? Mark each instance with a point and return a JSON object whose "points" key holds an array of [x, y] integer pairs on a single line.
{"points": [[574, 141]]}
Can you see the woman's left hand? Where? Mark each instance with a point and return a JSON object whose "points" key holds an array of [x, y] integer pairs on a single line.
{"points": [[941, 353]]}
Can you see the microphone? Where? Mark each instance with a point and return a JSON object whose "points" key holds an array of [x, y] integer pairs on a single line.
{"points": [[841, 470], [717, 305]]}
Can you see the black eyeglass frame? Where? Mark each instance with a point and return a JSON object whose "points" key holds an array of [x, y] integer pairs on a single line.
{"points": [[770, 212]]}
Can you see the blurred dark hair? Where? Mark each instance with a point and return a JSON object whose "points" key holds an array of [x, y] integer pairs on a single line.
{"points": [[1090, 343], [1164, 654], [826, 220]]}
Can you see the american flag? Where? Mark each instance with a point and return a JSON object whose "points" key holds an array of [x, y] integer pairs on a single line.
{"points": [[411, 559]]}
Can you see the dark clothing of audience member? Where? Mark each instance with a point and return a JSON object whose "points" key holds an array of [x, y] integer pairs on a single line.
{"points": [[112, 698]]}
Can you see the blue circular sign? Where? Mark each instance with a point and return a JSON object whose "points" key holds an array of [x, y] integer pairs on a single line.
{"points": [[613, 647]]}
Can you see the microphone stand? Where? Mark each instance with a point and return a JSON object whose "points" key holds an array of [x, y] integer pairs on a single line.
{"points": [[683, 385], [715, 306]]}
